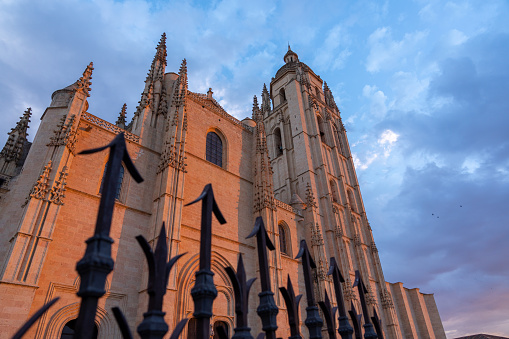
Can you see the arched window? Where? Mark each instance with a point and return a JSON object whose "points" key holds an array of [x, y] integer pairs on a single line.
{"points": [[351, 200], [277, 142], [334, 191], [284, 239], [214, 151], [337, 138], [320, 128], [222, 324], [282, 94], [317, 92], [119, 182], [69, 330]]}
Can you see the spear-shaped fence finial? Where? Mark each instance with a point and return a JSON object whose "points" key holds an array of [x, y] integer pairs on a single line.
{"points": [[356, 320], [313, 321], [369, 332], [328, 313], [267, 310], [204, 292], [97, 262], [292, 307], [344, 329], [377, 322], [153, 325], [241, 289]]}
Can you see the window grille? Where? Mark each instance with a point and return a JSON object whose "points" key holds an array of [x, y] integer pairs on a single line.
{"points": [[214, 151]]}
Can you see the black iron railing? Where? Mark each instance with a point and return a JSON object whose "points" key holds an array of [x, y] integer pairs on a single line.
{"points": [[97, 263]]}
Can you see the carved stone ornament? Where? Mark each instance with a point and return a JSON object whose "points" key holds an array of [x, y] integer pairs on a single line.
{"points": [[56, 194], [338, 231], [348, 291], [40, 188], [357, 239], [386, 299], [316, 236], [321, 271], [65, 134], [310, 198], [172, 158], [370, 297], [373, 247]]}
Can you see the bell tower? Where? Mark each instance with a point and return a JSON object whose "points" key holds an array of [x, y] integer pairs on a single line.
{"points": [[312, 163]]}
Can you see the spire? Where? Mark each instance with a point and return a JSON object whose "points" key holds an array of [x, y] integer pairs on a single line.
{"points": [[83, 83], [13, 149], [256, 110], [183, 69], [161, 50], [158, 66], [264, 192], [265, 100], [329, 98], [179, 95], [121, 121]]}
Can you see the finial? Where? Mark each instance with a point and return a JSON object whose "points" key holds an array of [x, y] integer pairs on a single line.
{"points": [[83, 84], [22, 124], [209, 93], [161, 49], [183, 67], [255, 103], [121, 117], [289, 46]]}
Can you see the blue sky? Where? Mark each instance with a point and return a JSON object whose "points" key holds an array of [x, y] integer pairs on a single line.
{"points": [[423, 87]]}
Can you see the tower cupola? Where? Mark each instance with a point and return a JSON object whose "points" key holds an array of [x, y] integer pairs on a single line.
{"points": [[291, 56]]}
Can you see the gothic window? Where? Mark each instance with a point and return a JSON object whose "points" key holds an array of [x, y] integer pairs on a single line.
{"points": [[69, 330], [321, 129], [337, 138], [277, 142], [317, 92], [334, 191], [282, 94], [351, 200], [222, 324], [119, 183], [214, 152], [284, 239]]}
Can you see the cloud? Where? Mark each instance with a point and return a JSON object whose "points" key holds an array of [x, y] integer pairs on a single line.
{"points": [[453, 183], [386, 53], [335, 51], [377, 98]]}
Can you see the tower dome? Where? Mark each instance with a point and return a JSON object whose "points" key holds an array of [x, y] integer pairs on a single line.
{"points": [[291, 56]]}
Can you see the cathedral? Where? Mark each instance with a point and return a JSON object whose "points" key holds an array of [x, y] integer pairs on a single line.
{"points": [[289, 162]]}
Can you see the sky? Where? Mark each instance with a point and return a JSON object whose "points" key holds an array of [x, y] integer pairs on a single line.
{"points": [[423, 89]]}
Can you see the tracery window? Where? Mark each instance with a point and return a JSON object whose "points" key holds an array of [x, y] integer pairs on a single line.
{"points": [[334, 191], [320, 128], [119, 183], [69, 330], [214, 149], [282, 94], [277, 142], [222, 324], [284, 239], [337, 138], [351, 200]]}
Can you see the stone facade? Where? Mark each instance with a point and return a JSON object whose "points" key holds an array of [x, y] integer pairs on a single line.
{"points": [[289, 163]]}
